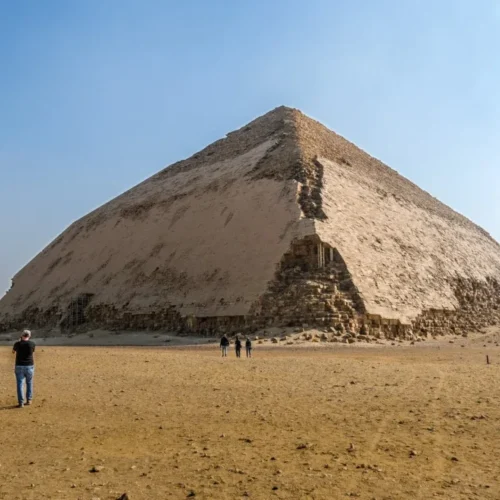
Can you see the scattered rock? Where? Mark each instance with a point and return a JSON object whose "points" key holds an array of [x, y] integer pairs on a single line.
{"points": [[479, 417], [96, 468]]}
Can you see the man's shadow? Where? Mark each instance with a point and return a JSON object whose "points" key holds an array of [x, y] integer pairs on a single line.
{"points": [[9, 407]]}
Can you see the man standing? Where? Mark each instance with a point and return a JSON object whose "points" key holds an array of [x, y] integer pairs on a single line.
{"points": [[25, 367], [248, 346], [237, 346], [224, 344]]}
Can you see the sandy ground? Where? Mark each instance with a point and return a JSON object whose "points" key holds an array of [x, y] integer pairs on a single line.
{"points": [[107, 338], [382, 422]]}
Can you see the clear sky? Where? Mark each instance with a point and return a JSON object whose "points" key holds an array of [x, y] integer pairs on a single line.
{"points": [[95, 96]]}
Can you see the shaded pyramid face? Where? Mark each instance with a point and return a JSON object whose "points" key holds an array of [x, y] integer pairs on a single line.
{"points": [[281, 223]]}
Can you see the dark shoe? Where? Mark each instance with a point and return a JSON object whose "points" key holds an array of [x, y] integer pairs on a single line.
{"points": [[20, 405], [28, 403]]}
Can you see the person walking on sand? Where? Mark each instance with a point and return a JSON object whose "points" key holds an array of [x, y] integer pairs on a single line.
{"points": [[224, 344], [248, 347], [237, 346], [25, 367]]}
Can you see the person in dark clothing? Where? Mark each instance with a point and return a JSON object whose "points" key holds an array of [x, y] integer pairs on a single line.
{"points": [[224, 344], [248, 347], [237, 346], [25, 367]]}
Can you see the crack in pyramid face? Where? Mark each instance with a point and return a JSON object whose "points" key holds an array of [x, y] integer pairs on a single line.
{"points": [[203, 242]]}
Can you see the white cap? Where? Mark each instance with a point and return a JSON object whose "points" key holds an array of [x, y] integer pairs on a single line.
{"points": [[26, 333]]}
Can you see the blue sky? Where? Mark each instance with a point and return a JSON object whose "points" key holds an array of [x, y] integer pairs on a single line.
{"points": [[96, 96]]}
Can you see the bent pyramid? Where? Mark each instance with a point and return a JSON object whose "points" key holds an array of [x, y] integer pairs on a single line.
{"points": [[282, 223]]}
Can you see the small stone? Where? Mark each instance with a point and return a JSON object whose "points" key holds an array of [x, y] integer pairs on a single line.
{"points": [[413, 453], [96, 469]]}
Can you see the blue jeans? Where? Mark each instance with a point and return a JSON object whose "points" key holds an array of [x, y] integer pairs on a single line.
{"points": [[24, 372]]}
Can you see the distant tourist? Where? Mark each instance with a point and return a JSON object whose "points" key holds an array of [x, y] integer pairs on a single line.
{"points": [[237, 346], [248, 347], [224, 344], [25, 367]]}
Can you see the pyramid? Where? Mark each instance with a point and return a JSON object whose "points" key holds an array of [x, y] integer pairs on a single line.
{"points": [[280, 223]]}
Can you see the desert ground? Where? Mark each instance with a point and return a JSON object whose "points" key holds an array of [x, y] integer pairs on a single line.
{"points": [[294, 422]]}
